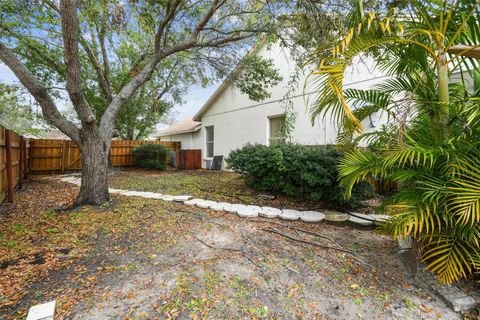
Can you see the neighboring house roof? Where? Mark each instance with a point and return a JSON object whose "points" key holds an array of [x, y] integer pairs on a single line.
{"points": [[227, 81], [54, 134], [184, 126]]}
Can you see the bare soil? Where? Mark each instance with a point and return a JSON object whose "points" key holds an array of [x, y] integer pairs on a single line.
{"points": [[147, 259]]}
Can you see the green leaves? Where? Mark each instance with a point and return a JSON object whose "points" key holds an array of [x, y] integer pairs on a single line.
{"points": [[294, 170], [404, 43], [256, 76], [439, 199], [451, 257]]}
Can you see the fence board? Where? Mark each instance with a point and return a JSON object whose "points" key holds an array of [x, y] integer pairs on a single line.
{"points": [[3, 166], [53, 156], [189, 159], [11, 173]]}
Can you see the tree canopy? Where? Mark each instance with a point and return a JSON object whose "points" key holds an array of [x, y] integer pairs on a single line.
{"points": [[104, 52]]}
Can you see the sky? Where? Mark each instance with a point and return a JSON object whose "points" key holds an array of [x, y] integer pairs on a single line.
{"points": [[193, 100]]}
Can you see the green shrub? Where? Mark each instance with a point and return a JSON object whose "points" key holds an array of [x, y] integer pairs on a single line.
{"points": [[152, 156], [306, 172]]}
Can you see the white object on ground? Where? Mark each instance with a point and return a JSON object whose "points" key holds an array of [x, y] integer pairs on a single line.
{"points": [[157, 196], [290, 214], [182, 198], [148, 195], [248, 211], [220, 206], [193, 202], [44, 311], [235, 207], [130, 193], [269, 212], [360, 221], [255, 208], [380, 218], [112, 190], [205, 204], [335, 216], [363, 216], [312, 216], [166, 197]]}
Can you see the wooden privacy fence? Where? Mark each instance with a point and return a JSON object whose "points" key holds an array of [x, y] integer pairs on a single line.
{"points": [[52, 156], [20, 157], [14, 157]]}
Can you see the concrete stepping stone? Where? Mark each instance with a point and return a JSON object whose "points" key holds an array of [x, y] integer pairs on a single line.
{"points": [[205, 204], [193, 202], [362, 216], [235, 207], [112, 190], [248, 211], [335, 216], [157, 196], [130, 193], [290, 214], [269, 212], [148, 195], [221, 206], [256, 208], [380, 217], [360, 221], [182, 198], [312, 216]]}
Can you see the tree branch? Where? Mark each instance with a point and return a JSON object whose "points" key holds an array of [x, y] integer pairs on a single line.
{"points": [[108, 118], [71, 32], [40, 93], [34, 46], [104, 86], [169, 15]]}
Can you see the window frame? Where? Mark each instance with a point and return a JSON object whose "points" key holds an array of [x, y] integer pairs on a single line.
{"points": [[207, 142], [269, 128]]}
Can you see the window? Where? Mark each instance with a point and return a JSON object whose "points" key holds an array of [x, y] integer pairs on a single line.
{"points": [[209, 141], [276, 129]]}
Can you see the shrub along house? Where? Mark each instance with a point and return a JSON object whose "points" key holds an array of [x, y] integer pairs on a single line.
{"points": [[229, 119]]}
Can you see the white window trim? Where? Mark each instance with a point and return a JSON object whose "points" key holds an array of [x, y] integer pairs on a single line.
{"points": [[205, 158], [268, 125]]}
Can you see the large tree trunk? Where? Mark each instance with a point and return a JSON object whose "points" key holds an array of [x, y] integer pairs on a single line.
{"points": [[95, 154]]}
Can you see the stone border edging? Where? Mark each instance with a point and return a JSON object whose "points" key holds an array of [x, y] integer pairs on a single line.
{"points": [[246, 211]]}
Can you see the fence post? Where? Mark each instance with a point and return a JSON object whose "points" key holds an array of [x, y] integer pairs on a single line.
{"points": [[25, 158], [8, 151], [20, 163], [64, 155]]}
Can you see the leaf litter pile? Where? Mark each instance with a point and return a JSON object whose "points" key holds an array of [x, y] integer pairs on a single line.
{"points": [[139, 258]]}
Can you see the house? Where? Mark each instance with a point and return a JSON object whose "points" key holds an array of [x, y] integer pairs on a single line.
{"points": [[186, 131], [229, 119]]}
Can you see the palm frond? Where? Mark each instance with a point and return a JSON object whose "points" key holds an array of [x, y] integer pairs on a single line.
{"points": [[357, 166], [450, 257]]}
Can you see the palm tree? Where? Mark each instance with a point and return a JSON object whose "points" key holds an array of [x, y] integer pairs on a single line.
{"points": [[440, 32], [434, 154]]}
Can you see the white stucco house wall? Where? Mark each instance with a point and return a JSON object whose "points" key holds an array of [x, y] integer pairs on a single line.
{"points": [[186, 131], [229, 119]]}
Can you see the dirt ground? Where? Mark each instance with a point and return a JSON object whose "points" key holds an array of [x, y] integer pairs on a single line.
{"points": [[147, 259]]}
